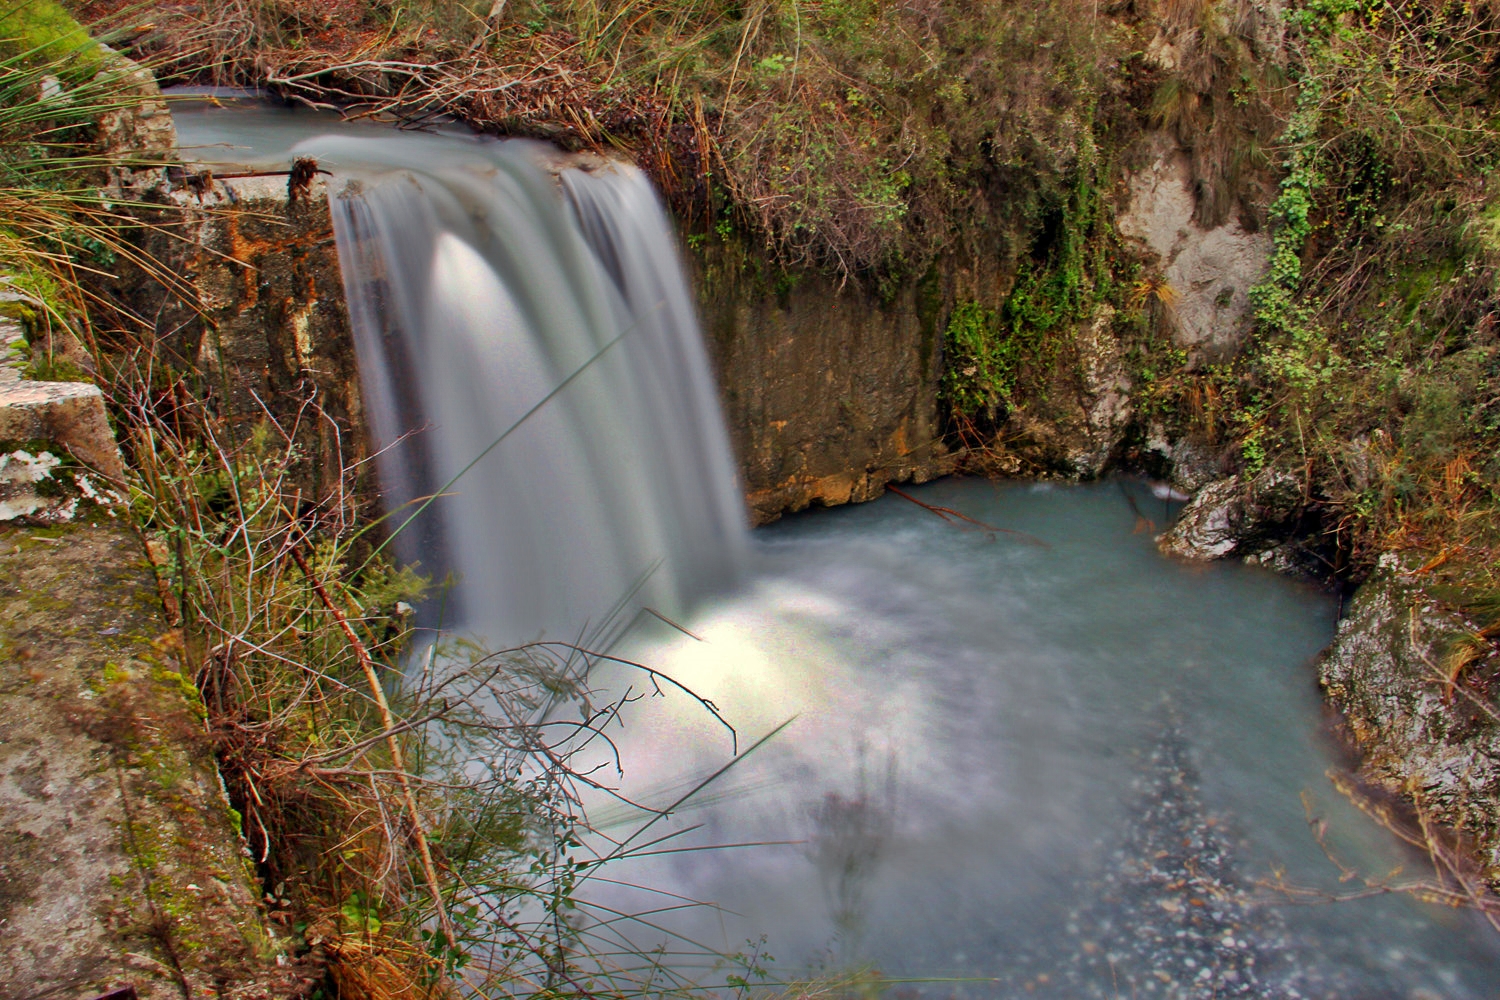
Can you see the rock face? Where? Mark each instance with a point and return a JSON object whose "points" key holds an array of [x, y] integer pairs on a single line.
{"points": [[1209, 271], [1074, 428], [1234, 516], [1193, 463], [829, 393], [1423, 733]]}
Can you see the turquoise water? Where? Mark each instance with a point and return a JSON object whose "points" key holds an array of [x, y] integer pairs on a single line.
{"points": [[990, 741], [1040, 764]]}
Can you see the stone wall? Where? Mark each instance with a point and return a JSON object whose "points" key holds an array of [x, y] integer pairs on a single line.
{"points": [[829, 392], [268, 335]]}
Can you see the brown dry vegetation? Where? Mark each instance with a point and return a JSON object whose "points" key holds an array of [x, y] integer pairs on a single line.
{"points": [[844, 133]]}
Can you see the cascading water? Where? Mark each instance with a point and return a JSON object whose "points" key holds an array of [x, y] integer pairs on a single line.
{"points": [[531, 359], [1009, 771]]}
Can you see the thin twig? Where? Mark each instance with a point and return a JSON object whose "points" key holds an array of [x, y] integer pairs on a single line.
{"points": [[429, 870], [948, 514]]}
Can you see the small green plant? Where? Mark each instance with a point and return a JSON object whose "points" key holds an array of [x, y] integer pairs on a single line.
{"points": [[981, 360]]}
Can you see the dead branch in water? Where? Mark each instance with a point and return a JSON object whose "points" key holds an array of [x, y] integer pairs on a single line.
{"points": [[1453, 883], [948, 514]]}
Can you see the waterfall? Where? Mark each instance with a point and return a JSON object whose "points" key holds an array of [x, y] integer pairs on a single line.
{"points": [[529, 355]]}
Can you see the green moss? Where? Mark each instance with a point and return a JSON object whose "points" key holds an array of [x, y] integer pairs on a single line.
{"points": [[40, 31], [983, 357], [175, 681], [1485, 228]]}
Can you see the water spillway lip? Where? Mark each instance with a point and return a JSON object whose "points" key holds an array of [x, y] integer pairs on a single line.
{"points": [[235, 129], [212, 93], [250, 98]]}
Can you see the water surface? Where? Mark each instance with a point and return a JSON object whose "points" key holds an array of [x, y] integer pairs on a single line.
{"points": [[1059, 768]]}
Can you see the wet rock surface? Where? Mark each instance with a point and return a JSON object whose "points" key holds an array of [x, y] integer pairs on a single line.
{"points": [[1237, 516]]}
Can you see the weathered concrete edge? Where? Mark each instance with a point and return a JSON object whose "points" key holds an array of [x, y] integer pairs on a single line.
{"points": [[121, 863]]}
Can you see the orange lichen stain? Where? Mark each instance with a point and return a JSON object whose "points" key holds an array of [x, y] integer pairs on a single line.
{"points": [[246, 251], [835, 489]]}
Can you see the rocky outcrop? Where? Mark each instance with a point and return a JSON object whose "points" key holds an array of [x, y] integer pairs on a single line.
{"points": [[1190, 463], [1208, 272], [1423, 732], [1075, 427], [1237, 516]]}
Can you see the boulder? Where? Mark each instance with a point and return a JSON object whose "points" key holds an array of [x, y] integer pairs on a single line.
{"points": [[69, 414], [1191, 463], [1208, 271], [1234, 516]]}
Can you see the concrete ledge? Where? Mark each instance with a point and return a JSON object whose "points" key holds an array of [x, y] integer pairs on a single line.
{"points": [[119, 861], [68, 414]]}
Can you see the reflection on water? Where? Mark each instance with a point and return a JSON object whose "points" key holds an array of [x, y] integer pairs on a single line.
{"points": [[846, 841], [1059, 770]]}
